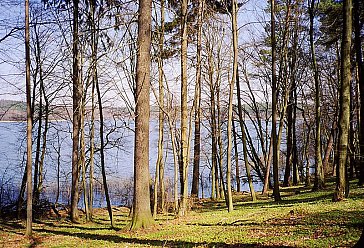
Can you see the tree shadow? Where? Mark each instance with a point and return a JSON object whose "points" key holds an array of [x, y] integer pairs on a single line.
{"points": [[153, 242], [105, 226], [334, 218]]}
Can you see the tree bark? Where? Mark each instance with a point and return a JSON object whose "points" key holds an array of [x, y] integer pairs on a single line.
{"points": [[142, 216], [319, 182], [159, 170], [276, 193], [236, 156], [360, 66], [197, 103], [102, 153], [184, 115], [77, 95], [243, 139], [344, 114], [29, 221]]}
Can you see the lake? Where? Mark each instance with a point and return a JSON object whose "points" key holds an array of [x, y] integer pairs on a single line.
{"points": [[118, 155]]}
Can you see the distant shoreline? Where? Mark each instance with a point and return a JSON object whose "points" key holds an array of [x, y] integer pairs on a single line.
{"points": [[19, 121]]}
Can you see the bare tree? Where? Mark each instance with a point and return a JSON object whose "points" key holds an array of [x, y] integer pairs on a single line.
{"points": [[341, 191], [142, 216], [184, 111], [77, 96], [29, 124]]}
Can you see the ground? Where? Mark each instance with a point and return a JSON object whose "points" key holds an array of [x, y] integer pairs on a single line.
{"points": [[302, 219]]}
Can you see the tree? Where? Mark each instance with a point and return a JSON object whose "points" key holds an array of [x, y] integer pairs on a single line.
{"points": [[360, 66], [344, 114], [77, 97], [29, 124], [159, 170], [319, 182], [184, 110], [277, 196], [142, 216], [197, 104], [234, 26]]}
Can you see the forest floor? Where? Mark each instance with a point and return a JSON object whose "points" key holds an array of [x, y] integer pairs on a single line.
{"points": [[302, 219]]}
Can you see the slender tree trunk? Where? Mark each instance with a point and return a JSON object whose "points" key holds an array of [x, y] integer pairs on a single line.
{"points": [[29, 221], [276, 193], [58, 150], [197, 103], [215, 193], [44, 135], [268, 165], [293, 95], [306, 156], [37, 153], [175, 162], [247, 166], [319, 182], [360, 66], [295, 152], [344, 114], [142, 216], [94, 47], [236, 156], [20, 200], [159, 171], [83, 160], [102, 152], [184, 142], [330, 145], [92, 150], [243, 138], [77, 95], [287, 173], [220, 171]]}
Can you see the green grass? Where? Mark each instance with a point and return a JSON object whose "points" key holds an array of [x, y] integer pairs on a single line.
{"points": [[304, 219]]}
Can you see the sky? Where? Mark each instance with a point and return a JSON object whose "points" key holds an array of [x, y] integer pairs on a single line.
{"points": [[12, 82]]}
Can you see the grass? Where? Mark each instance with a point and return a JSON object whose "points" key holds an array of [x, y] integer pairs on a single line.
{"points": [[302, 219]]}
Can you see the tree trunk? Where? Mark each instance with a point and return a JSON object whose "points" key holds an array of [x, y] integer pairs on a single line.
{"points": [[184, 142], [29, 221], [44, 135], [319, 182], [287, 172], [268, 165], [306, 156], [142, 216], [236, 156], [92, 149], [83, 159], [197, 103], [159, 170], [360, 66], [243, 138], [102, 153], [77, 95], [94, 46], [175, 162], [276, 193], [344, 114], [37, 152]]}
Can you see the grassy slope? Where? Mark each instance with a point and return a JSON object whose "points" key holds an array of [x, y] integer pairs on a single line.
{"points": [[306, 219]]}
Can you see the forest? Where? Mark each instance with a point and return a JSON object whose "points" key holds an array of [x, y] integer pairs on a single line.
{"points": [[191, 123]]}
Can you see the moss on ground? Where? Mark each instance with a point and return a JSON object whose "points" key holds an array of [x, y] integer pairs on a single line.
{"points": [[302, 219]]}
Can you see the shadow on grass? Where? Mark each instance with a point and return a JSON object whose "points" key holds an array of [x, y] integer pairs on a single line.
{"points": [[285, 202], [105, 226], [335, 218], [164, 243]]}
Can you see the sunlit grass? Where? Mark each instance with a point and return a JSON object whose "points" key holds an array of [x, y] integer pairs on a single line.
{"points": [[302, 219]]}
